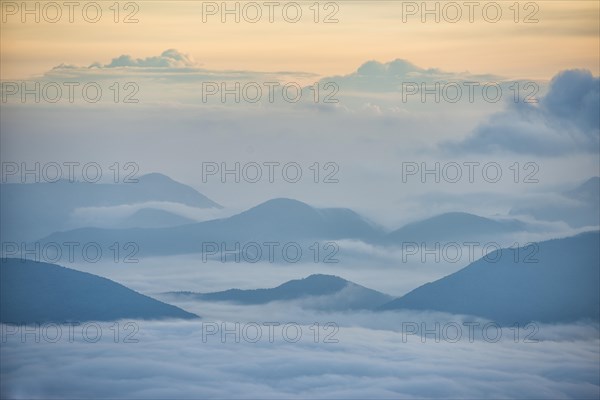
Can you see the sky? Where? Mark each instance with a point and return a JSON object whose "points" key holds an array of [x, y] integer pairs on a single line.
{"points": [[373, 30]]}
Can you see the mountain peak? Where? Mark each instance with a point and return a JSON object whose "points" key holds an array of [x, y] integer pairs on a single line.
{"points": [[323, 278], [588, 190], [160, 183], [155, 177], [279, 206], [455, 226], [326, 292], [284, 202]]}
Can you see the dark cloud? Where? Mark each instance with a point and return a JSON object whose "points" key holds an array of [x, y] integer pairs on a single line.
{"points": [[566, 120]]}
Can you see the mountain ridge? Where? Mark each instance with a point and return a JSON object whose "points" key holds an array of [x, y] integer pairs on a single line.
{"points": [[40, 292], [315, 285], [560, 284]]}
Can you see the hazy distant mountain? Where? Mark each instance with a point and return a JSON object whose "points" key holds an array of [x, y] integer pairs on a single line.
{"points": [[588, 191], [40, 292], [564, 285], [289, 218], [278, 220], [153, 218], [331, 292], [578, 207], [30, 211], [455, 226]]}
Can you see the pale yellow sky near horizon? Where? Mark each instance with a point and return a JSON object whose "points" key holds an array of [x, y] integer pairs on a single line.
{"points": [[566, 36]]}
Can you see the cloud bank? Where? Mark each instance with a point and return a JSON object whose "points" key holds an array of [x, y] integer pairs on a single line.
{"points": [[171, 360], [566, 120]]}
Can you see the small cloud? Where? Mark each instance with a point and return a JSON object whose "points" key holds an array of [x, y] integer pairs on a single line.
{"points": [[376, 77], [170, 58]]}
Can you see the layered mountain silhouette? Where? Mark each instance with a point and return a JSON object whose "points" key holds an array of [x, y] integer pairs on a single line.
{"points": [[153, 218], [278, 220], [34, 292], [285, 220], [325, 291], [33, 210], [455, 226], [555, 281], [578, 207]]}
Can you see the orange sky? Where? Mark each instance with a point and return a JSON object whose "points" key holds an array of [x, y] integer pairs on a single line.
{"points": [[565, 36]]}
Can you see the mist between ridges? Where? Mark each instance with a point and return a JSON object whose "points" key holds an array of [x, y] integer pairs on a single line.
{"points": [[72, 91], [275, 252], [266, 332]]}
